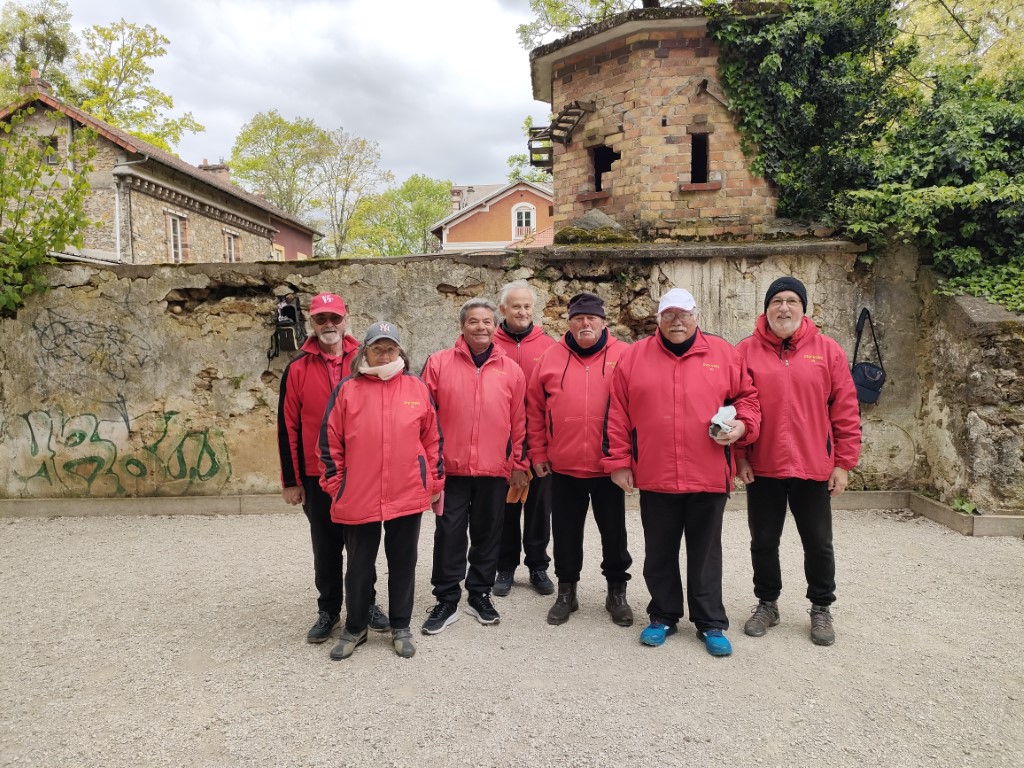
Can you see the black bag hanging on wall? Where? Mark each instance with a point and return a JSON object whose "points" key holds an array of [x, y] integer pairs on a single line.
{"points": [[289, 329], [867, 377]]}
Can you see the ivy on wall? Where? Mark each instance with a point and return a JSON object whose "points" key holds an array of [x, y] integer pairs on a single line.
{"points": [[830, 114]]}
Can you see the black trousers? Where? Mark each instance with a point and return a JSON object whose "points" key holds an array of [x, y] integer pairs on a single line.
{"points": [[401, 541], [570, 498], [811, 505], [473, 509], [328, 546], [536, 530], [667, 518]]}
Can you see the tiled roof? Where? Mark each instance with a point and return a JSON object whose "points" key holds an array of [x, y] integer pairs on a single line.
{"points": [[540, 239], [137, 146]]}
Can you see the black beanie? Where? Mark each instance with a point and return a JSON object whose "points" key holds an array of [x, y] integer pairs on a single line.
{"points": [[586, 304], [786, 284]]}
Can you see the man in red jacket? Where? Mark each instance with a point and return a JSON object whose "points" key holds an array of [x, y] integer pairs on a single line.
{"points": [[480, 398], [666, 390], [524, 342], [810, 440], [306, 386], [566, 402]]}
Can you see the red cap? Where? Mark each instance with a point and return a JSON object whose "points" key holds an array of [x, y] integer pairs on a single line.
{"points": [[327, 302]]}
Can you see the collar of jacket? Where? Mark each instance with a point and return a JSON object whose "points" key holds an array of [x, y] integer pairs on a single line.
{"points": [[700, 345], [804, 333], [462, 348]]}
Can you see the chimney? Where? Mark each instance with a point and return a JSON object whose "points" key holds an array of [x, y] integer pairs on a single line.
{"points": [[456, 199], [35, 84], [219, 169]]}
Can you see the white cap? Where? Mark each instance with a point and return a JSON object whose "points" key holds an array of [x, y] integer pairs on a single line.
{"points": [[677, 298]]}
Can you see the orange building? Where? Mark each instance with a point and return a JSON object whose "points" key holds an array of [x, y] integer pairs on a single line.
{"points": [[492, 216]]}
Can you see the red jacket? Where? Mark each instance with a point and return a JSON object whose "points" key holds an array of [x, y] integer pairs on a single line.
{"points": [[481, 410], [810, 420], [566, 402], [660, 410], [380, 449], [306, 386], [527, 352]]}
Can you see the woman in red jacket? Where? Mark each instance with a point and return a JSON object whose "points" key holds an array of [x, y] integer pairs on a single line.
{"points": [[380, 462]]}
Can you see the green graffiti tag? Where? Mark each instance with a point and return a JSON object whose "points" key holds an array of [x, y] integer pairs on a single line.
{"points": [[156, 454]]}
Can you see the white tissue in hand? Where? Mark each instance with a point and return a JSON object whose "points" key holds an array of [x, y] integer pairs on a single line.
{"points": [[725, 413]]}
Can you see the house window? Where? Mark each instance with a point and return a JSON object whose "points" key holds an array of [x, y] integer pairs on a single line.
{"points": [[699, 154], [524, 221], [603, 159], [231, 254], [177, 238], [48, 146], [278, 253]]}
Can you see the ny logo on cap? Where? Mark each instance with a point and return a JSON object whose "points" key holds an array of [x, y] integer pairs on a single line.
{"points": [[326, 298], [385, 327]]}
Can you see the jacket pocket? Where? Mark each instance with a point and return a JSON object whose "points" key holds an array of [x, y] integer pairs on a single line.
{"points": [[828, 446], [423, 470], [635, 444], [341, 488]]}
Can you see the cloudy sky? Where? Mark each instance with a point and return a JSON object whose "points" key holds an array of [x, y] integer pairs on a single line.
{"points": [[442, 86]]}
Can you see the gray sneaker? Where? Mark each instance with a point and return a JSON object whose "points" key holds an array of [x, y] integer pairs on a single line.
{"points": [[822, 632], [347, 644], [402, 638], [763, 615]]}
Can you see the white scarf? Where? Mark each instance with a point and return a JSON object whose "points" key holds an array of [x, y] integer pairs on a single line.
{"points": [[384, 372]]}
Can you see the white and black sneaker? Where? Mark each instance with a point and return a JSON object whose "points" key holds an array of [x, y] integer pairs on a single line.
{"points": [[441, 616], [480, 605]]}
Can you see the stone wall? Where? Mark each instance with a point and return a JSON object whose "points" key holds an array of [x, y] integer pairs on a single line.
{"points": [[154, 380], [972, 409]]}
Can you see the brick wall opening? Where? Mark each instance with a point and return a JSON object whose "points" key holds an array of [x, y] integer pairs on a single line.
{"points": [[603, 159], [699, 154]]}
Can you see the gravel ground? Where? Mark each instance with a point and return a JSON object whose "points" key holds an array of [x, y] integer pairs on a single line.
{"points": [[174, 641]]}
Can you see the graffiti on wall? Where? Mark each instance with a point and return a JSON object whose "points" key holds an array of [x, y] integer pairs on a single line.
{"points": [[83, 455], [87, 345]]}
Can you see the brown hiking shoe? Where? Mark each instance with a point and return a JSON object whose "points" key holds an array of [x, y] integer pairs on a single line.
{"points": [[763, 615], [822, 632], [617, 606]]}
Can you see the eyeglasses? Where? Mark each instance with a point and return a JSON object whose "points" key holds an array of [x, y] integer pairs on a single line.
{"points": [[672, 316], [324, 317]]}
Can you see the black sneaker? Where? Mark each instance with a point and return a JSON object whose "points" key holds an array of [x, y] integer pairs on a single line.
{"points": [[481, 607], [379, 621], [320, 631], [503, 583], [441, 615], [541, 582]]}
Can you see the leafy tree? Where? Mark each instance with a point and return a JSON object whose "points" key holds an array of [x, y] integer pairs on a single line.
{"points": [[36, 36], [113, 74], [555, 18], [948, 32], [397, 222], [43, 186], [950, 179], [519, 165], [282, 160], [348, 174], [813, 89]]}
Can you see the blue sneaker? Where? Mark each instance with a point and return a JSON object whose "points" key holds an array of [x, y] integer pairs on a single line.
{"points": [[656, 633], [716, 643]]}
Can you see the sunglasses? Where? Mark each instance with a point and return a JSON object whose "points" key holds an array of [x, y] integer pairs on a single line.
{"points": [[324, 317]]}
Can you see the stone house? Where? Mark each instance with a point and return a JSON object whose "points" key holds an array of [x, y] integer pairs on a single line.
{"points": [[494, 216], [154, 208], [642, 130]]}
